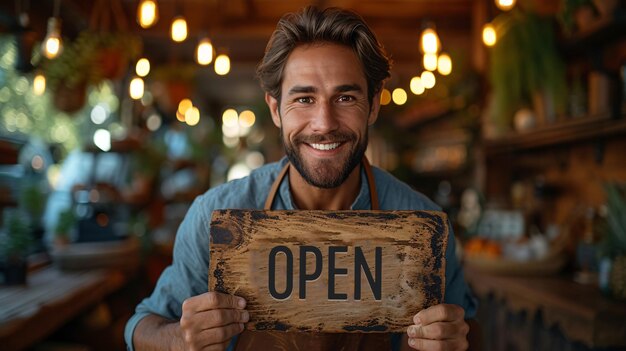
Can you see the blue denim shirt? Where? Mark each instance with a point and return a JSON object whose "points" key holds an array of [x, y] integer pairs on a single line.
{"points": [[188, 274]]}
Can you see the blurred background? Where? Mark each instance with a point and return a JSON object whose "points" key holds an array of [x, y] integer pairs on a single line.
{"points": [[116, 114]]}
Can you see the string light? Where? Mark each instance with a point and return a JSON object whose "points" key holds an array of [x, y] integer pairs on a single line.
{"points": [[179, 29], [147, 13], [416, 86], [222, 64], [444, 64], [385, 97], [399, 96], [204, 52], [430, 62], [143, 67], [52, 43], [505, 5], [428, 79], [39, 84], [136, 88], [430, 41], [489, 35]]}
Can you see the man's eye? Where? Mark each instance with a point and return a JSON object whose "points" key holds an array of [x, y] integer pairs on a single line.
{"points": [[304, 100], [345, 98]]}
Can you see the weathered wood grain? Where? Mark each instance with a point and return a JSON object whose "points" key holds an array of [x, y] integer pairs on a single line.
{"points": [[411, 247]]}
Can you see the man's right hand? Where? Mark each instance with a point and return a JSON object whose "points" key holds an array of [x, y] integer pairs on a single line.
{"points": [[210, 320]]}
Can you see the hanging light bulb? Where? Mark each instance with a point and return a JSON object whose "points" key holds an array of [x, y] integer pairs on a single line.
{"points": [[204, 52], [147, 13], [52, 43], [430, 41], [444, 64], [179, 29], [222, 64], [136, 88], [489, 35], [416, 85], [428, 79], [399, 96], [142, 68], [39, 84], [430, 62], [505, 5]]}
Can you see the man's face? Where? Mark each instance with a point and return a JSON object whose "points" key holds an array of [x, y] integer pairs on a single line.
{"points": [[324, 112]]}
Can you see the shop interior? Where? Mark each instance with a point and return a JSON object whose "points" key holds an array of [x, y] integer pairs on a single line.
{"points": [[116, 114]]}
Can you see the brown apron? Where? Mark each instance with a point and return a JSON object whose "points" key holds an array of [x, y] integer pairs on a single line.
{"points": [[311, 341]]}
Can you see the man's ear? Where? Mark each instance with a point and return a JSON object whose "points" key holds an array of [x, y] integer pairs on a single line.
{"points": [[373, 115], [272, 103]]}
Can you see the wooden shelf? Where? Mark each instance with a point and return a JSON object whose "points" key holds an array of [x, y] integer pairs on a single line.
{"points": [[576, 130]]}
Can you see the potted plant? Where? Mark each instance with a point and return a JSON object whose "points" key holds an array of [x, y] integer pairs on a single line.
{"points": [[66, 223], [526, 71], [613, 246], [15, 244], [93, 57]]}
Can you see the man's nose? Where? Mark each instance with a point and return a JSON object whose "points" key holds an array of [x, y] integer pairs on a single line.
{"points": [[325, 118]]}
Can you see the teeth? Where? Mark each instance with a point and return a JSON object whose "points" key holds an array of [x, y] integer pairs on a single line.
{"points": [[325, 146]]}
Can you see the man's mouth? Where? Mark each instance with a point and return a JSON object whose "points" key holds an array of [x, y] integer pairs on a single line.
{"points": [[325, 147]]}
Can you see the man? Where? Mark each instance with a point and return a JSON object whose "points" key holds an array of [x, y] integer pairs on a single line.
{"points": [[322, 72]]}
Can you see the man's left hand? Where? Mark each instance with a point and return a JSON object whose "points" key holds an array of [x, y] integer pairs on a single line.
{"points": [[439, 327]]}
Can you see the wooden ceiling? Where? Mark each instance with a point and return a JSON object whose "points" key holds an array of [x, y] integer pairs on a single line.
{"points": [[242, 28]]}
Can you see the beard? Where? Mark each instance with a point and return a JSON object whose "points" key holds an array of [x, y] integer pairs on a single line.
{"points": [[325, 173]]}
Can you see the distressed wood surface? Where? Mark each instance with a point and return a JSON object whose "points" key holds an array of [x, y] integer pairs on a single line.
{"points": [[410, 245]]}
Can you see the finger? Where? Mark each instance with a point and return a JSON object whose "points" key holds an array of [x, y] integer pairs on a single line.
{"points": [[212, 300], [439, 330], [439, 313], [438, 345], [223, 317], [221, 334]]}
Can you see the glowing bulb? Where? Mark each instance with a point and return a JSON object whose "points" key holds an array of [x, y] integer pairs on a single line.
{"points": [[489, 35], [222, 64], [430, 41], [444, 64], [204, 52], [428, 79], [192, 116], [184, 105], [179, 29], [143, 67], [385, 97], [102, 139], [136, 88], [399, 96], [505, 5], [416, 86], [430, 62], [52, 43], [247, 119], [147, 13], [39, 84], [230, 118]]}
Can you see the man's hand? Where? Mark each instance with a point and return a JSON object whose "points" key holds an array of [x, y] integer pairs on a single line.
{"points": [[439, 327], [210, 320]]}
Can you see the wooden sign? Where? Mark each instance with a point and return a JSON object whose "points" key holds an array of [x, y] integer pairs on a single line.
{"points": [[345, 271]]}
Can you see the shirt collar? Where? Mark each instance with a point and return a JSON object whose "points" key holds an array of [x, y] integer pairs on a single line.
{"points": [[362, 201]]}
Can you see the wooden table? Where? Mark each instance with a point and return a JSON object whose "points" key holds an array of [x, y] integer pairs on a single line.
{"points": [[30, 313], [581, 312]]}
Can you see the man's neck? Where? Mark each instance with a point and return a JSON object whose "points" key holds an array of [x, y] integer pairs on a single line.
{"points": [[309, 197]]}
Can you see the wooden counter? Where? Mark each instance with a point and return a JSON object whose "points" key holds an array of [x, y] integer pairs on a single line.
{"points": [[581, 312], [30, 313]]}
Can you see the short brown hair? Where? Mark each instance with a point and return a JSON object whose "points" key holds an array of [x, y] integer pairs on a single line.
{"points": [[331, 25]]}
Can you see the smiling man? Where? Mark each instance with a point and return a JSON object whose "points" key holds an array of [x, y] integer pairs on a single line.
{"points": [[322, 72]]}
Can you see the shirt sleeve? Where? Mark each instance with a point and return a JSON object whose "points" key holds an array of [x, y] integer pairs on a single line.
{"points": [[457, 291], [186, 277]]}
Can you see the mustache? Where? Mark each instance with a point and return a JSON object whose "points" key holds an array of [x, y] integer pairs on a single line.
{"points": [[332, 137]]}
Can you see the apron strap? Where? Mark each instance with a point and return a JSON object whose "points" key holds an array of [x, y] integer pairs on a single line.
{"points": [[368, 173]]}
